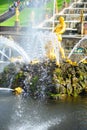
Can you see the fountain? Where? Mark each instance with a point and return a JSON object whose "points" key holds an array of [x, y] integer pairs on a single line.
{"points": [[40, 69], [9, 43], [42, 72], [45, 74]]}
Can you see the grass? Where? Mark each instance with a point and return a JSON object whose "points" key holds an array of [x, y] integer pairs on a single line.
{"points": [[4, 5], [25, 16]]}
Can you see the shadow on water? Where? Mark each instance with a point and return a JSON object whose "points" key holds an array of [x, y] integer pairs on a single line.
{"points": [[27, 114]]}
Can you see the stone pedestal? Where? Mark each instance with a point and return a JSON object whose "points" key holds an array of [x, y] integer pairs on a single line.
{"points": [[17, 26], [17, 23]]}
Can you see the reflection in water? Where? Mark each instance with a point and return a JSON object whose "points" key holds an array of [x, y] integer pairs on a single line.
{"points": [[27, 114]]}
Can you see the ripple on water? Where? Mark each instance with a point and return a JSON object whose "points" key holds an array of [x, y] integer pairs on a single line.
{"points": [[51, 116]]}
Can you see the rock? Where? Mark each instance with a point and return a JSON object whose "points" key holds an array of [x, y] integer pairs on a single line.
{"points": [[45, 79]]}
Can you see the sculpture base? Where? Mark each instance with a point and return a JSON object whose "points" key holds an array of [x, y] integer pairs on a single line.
{"points": [[17, 23]]}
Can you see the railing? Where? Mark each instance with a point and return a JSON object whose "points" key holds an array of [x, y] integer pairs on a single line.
{"points": [[72, 16]]}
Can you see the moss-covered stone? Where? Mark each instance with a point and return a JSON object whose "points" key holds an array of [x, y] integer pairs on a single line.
{"points": [[46, 79]]}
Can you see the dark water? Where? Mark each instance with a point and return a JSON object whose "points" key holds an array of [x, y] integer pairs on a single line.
{"points": [[18, 113]]}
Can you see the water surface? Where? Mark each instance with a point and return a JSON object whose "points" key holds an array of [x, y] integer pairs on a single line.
{"points": [[18, 113]]}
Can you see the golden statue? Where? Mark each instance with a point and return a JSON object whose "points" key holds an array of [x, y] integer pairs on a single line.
{"points": [[18, 91], [17, 14], [59, 30], [82, 22]]}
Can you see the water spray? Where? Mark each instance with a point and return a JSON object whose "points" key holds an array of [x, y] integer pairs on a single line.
{"points": [[16, 91]]}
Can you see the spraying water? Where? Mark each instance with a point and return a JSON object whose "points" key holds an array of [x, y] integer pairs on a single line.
{"points": [[36, 43], [83, 59], [55, 45], [4, 55], [35, 48], [75, 47], [6, 89], [11, 44]]}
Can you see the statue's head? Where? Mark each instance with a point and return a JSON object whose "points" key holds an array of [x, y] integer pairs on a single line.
{"points": [[61, 19]]}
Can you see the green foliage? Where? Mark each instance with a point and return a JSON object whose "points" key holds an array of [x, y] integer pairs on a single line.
{"points": [[60, 3], [33, 84], [34, 81], [25, 17], [4, 5]]}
